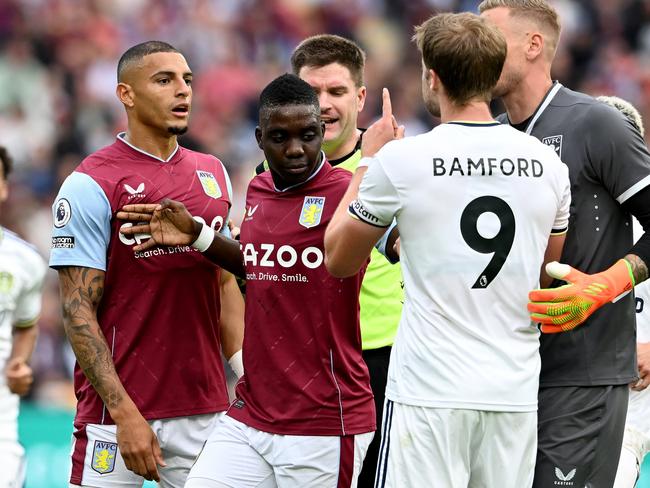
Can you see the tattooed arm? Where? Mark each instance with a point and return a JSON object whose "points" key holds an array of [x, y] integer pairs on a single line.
{"points": [[81, 292], [639, 268]]}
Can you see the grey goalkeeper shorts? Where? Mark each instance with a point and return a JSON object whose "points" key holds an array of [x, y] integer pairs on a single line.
{"points": [[580, 433]]}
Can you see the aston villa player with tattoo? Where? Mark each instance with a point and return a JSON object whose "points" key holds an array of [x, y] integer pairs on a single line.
{"points": [[147, 328], [304, 413]]}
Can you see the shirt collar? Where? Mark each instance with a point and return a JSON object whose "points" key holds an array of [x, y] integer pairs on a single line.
{"points": [[122, 137], [550, 95]]}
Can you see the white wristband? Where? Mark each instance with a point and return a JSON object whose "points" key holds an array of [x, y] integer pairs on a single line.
{"points": [[237, 364], [206, 236]]}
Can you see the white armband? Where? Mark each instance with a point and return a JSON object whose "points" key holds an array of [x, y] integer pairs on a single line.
{"points": [[206, 236]]}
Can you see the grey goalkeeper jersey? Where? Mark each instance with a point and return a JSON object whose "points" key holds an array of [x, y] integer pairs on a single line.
{"points": [[608, 164]]}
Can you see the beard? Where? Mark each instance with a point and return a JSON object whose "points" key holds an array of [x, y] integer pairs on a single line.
{"points": [[508, 81], [177, 131], [429, 98]]}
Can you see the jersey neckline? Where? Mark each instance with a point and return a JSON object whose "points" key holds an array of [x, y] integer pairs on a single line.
{"points": [[469, 123], [122, 137]]}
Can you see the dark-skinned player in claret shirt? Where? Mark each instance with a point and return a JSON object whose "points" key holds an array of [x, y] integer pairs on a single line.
{"points": [[303, 413]]}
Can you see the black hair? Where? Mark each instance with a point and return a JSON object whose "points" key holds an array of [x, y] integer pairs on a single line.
{"points": [[139, 51], [286, 90]]}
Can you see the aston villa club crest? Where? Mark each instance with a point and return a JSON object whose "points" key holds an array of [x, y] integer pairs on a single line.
{"points": [[555, 142], [209, 183], [312, 210], [104, 457]]}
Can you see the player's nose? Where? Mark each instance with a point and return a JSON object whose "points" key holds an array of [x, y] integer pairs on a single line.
{"points": [[183, 89], [324, 102], [294, 148]]}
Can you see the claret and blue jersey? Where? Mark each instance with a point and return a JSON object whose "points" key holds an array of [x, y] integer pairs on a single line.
{"points": [[160, 308]]}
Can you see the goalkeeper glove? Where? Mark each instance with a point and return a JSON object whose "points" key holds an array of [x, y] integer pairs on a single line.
{"points": [[564, 308]]}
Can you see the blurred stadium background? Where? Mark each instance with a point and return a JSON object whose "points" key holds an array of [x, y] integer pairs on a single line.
{"points": [[57, 104]]}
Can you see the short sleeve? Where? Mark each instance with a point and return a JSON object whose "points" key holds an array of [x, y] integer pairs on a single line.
{"points": [[28, 304], [378, 201], [618, 153], [561, 223], [82, 224]]}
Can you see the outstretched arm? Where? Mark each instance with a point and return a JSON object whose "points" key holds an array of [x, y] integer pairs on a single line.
{"points": [[170, 224], [81, 292]]}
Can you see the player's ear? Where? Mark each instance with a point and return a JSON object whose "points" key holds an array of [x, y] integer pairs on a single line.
{"points": [[322, 128], [258, 137], [434, 81], [361, 98], [124, 93], [535, 46]]}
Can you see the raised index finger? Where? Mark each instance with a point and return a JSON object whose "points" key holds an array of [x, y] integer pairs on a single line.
{"points": [[386, 108]]}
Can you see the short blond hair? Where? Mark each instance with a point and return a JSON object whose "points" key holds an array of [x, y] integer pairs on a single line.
{"points": [[465, 52], [627, 109], [539, 11]]}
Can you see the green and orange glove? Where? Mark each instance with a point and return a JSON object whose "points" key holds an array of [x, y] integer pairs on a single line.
{"points": [[564, 308]]}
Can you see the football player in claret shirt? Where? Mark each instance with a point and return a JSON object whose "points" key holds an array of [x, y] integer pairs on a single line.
{"points": [[303, 414], [334, 66], [147, 328]]}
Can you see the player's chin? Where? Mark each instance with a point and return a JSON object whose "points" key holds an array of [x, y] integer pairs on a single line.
{"points": [[177, 129], [296, 174], [332, 132]]}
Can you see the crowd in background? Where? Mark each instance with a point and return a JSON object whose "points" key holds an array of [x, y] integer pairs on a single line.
{"points": [[57, 88]]}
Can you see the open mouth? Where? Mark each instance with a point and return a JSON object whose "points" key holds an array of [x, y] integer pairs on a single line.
{"points": [[329, 122], [182, 109]]}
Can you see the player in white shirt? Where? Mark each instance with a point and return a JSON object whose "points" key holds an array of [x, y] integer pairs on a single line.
{"points": [[478, 205], [21, 277], [636, 440]]}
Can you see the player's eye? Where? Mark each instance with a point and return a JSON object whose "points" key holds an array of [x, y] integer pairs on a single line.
{"points": [[163, 81], [308, 136], [277, 138], [338, 92], [188, 81]]}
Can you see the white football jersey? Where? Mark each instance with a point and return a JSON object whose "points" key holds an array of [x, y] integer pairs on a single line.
{"points": [[21, 279], [475, 205], [639, 406]]}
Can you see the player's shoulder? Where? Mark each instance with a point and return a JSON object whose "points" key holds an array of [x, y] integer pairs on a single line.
{"points": [[200, 156], [24, 251], [101, 158], [584, 108], [400, 148], [338, 175], [261, 181]]}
